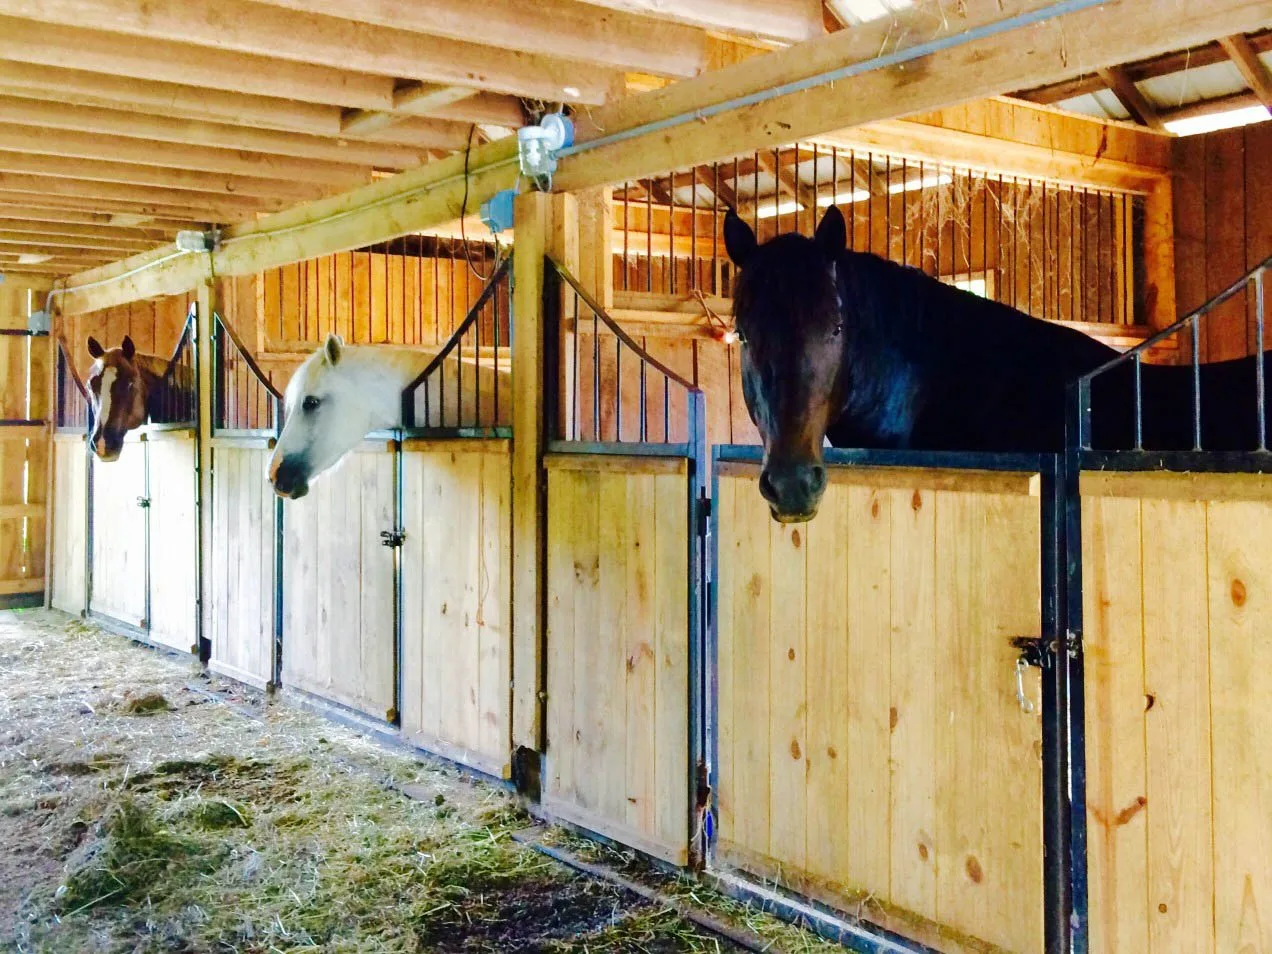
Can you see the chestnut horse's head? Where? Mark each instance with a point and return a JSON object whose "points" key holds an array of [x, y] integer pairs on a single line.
{"points": [[787, 308], [117, 391]]}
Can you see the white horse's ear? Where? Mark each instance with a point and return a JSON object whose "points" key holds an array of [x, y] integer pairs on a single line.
{"points": [[333, 348]]}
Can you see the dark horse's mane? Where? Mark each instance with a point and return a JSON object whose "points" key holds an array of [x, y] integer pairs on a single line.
{"points": [[933, 367]]}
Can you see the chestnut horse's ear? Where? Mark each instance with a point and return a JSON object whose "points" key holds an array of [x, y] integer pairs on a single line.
{"points": [[129, 349], [739, 240], [832, 233], [95, 347], [333, 348]]}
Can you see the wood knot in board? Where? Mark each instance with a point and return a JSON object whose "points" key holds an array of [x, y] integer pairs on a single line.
{"points": [[755, 586], [893, 717], [923, 851], [1238, 593], [832, 752], [874, 508], [795, 539], [1162, 908], [1131, 810], [1149, 701], [974, 870], [790, 654], [916, 502], [795, 749]]}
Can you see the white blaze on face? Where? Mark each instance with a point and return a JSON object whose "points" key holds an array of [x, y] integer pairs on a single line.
{"points": [[104, 392]]}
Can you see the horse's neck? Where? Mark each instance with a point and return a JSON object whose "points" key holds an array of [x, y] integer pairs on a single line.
{"points": [[381, 373]]}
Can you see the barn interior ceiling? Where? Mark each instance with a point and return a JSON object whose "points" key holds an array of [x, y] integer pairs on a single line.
{"points": [[123, 122]]}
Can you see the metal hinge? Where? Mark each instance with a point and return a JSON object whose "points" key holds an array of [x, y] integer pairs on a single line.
{"points": [[704, 515], [143, 502], [392, 538], [702, 802]]}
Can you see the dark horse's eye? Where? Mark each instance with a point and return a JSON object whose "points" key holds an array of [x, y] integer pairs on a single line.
{"points": [[838, 330], [310, 403]]}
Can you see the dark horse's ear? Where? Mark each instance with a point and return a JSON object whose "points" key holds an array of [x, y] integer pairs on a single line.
{"points": [[832, 233], [95, 347], [739, 240], [128, 347]]}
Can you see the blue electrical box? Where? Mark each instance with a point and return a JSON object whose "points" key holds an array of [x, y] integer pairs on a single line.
{"points": [[496, 212]]}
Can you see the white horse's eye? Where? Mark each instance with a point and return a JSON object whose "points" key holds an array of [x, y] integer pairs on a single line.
{"points": [[310, 403]]}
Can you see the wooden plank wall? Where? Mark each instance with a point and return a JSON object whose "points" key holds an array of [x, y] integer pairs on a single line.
{"points": [[24, 450], [1177, 603], [70, 527], [154, 326], [338, 633], [617, 649], [457, 592], [872, 752], [1223, 189], [241, 574], [174, 539], [119, 535]]}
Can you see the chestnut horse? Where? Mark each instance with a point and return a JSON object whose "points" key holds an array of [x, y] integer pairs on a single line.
{"points": [[866, 353], [126, 389]]}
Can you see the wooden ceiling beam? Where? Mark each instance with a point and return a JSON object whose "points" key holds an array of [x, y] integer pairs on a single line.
{"points": [[121, 122], [81, 145], [175, 100], [74, 208], [288, 36], [50, 40], [137, 174], [1252, 69], [442, 135], [423, 97], [1129, 95], [137, 198], [788, 21], [563, 28], [104, 244], [53, 254], [26, 226], [488, 108]]}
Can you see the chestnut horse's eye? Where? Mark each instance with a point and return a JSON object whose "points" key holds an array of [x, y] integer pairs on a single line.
{"points": [[310, 403]]}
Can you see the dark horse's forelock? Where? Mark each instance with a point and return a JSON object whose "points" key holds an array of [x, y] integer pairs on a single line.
{"points": [[785, 289]]}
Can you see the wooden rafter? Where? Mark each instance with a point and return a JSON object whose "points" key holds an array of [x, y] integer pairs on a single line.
{"points": [[256, 29], [790, 21], [1129, 95], [1252, 69]]}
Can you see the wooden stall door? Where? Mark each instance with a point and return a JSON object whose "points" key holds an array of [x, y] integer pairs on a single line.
{"points": [[338, 638], [174, 539], [618, 649], [241, 573], [872, 752], [24, 449], [1177, 603], [457, 593], [118, 587], [70, 523]]}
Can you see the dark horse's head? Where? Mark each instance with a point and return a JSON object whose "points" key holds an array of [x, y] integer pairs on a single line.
{"points": [[787, 308], [118, 393]]}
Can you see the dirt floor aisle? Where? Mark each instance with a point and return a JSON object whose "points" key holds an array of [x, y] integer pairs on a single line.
{"points": [[140, 813]]}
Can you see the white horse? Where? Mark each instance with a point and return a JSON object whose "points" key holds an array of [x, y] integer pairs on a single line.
{"points": [[343, 392]]}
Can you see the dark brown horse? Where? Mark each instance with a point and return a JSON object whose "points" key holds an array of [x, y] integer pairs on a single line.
{"points": [[850, 347], [126, 389]]}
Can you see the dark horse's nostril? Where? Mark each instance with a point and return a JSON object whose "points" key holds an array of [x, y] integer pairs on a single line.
{"points": [[819, 476], [767, 490]]}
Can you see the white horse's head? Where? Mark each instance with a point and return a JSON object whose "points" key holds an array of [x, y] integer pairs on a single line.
{"points": [[329, 409]]}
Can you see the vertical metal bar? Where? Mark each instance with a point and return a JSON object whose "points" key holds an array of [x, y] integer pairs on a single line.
{"points": [[618, 389], [671, 232], [278, 564], [985, 231], [1073, 285], [940, 226], [1139, 401], [495, 334], [1196, 376], [905, 207], [596, 376], [627, 231], [574, 404], [693, 234], [649, 236], [1259, 371], [715, 232], [666, 411], [870, 188], [755, 193], [923, 216]]}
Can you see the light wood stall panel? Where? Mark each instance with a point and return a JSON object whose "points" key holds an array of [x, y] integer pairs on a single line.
{"points": [[872, 752], [338, 638], [241, 574], [457, 593], [1177, 578], [70, 523], [174, 539], [618, 649], [118, 587]]}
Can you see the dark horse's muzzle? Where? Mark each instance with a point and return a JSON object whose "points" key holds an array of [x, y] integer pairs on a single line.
{"points": [[290, 478], [793, 490]]}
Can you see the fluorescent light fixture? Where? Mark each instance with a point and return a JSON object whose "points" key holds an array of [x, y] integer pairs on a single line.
{"points": [[773, 209], [925, 182], [1212, 122], [863, 11], [30, 258]]}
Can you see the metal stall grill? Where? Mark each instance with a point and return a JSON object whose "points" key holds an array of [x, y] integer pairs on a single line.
{"points": [[625, 542], [1057, 252], [70, 502]]}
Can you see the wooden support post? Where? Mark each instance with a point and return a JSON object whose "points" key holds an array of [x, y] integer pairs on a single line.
{"points": [[533, 216], [1159, 255], [208, 301]]}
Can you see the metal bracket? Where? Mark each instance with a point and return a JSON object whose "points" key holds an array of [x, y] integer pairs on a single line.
{"points": [[704, 516], [143, 502], [392, 538], [1033, 650]]}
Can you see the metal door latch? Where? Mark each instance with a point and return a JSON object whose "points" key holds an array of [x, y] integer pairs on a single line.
{"points": [[392, 538], [143, 502], [1033, 652]]}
